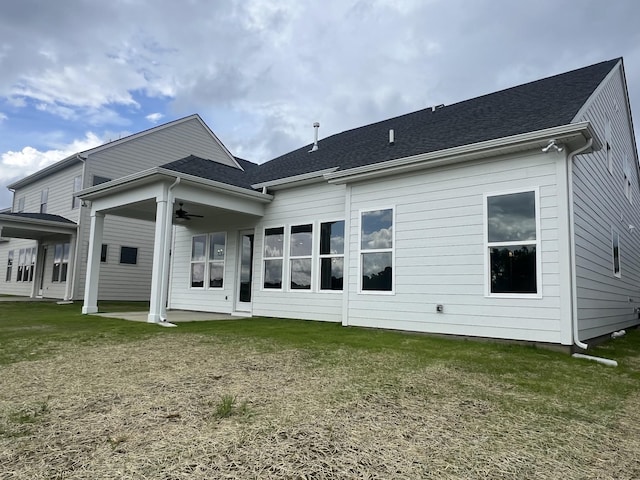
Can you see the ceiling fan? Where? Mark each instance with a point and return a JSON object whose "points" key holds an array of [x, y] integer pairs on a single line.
{"points": [[182, 214]]}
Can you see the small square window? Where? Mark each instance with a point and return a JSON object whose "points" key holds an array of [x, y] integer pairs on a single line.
{"points": [[129, 255]]}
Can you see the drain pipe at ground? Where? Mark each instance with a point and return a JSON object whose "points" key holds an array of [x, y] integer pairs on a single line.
{"points": [[572, 257]]}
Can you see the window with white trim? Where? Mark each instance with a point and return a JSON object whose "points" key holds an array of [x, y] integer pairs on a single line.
{"points": [[615, 252], [44, 200], [513, 243], [627, 179], [376, 250], [300, 251], [60, 262], [26, 262], [77, 186], [217, 251], [198, 259], [9, 266], [332, 255], [273, 257], [104, 251], [608, 145]]}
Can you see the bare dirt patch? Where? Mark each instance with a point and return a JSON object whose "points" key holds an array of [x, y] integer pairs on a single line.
{"points": [[147, 410]]}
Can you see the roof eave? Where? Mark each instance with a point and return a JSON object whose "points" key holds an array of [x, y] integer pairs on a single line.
{"points": [[296, 180], [574, 135], [157, 174], [54, 167]]}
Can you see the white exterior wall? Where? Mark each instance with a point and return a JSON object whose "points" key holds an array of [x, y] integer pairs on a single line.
{"points": [[440, 252], [299, 206], [606, 303], [60, 202]]}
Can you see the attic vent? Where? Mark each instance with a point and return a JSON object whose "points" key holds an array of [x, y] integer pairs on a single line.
{"points": [[316, 126], [437, 107]]}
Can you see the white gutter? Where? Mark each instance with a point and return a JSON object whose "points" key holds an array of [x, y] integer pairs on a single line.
{"points": [[563, 134], [295, 180]]}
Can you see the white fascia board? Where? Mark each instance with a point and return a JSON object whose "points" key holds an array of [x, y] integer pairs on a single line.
{"points": [[296, 180], [158, 174], [563, 134]]}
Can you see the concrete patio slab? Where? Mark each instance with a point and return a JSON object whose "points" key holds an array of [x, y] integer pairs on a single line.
{"points": [[173, 316]]}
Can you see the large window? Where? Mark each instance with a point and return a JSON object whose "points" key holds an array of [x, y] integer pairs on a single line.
{"points": [[60, 262], [44, 200], [26, 264], [9, 266], [331, 255], [513, 243], [207, 260], [273, 257], [300, 251], [615, 251], [376, 250]]}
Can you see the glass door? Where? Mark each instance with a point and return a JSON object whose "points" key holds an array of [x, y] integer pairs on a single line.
{"points": [[245, 271]]}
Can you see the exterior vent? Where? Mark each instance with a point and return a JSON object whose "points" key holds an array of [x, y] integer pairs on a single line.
{"points": [[316, 126]]}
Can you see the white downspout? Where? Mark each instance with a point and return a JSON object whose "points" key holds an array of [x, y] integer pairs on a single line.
{"points": [[572, 256], [572, 246], [76, 253], [164, 293]]}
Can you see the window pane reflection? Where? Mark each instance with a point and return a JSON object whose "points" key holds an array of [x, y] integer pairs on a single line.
{"points": [[512, 217], [377, 271]]}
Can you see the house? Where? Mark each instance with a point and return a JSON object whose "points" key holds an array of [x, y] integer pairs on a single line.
{"points": [[44, 236], [513, 215]]}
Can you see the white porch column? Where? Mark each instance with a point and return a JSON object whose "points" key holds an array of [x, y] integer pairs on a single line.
{"points": [[157, 302], [93, 263], [68, 291]]}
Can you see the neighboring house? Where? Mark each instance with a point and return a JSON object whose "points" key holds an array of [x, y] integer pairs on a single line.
{"points": [[513, 215], [48, 228]]}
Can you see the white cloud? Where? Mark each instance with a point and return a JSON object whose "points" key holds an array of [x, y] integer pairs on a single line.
{"points": [[3, 117], [154, 117], [18, 164]]}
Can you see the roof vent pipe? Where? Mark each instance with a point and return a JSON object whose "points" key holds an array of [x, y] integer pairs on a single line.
{"points": [[392, 139], [316, 126]]}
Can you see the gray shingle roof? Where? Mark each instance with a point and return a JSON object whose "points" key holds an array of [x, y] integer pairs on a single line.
{"points": [[40, 216], [537, 105]]}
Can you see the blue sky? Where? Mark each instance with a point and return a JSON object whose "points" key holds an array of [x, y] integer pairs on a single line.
{"points": [[77, 73]]}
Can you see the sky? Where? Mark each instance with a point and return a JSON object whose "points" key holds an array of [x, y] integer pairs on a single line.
{"points": [[77, 73]]}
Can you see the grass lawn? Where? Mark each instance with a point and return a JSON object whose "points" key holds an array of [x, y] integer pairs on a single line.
{"points": [[85, 397]]}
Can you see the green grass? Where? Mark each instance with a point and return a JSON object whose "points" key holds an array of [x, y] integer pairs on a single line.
{"points": [[36, 330]]}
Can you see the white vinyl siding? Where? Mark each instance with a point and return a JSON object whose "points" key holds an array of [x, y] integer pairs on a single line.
{"points": [[606, 301], [439, 251]]}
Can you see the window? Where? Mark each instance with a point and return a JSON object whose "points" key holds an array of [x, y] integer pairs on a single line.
{"points": [[9, 266], [20, 208], [627, 179], [60, 262], [77, 186], [97, 180], [376, 250], [300, 251], [44, 199], [207, 260], [103, 253], [26, 261], [513, 243], [609, 151], [128, 255], [615, 250], [273, 257], [198, 258], [331, 255], [217, 249]]}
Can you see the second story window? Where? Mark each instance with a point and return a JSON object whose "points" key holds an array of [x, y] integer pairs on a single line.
{"points": [[77, 186], [20, 206], [44, 199]]}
